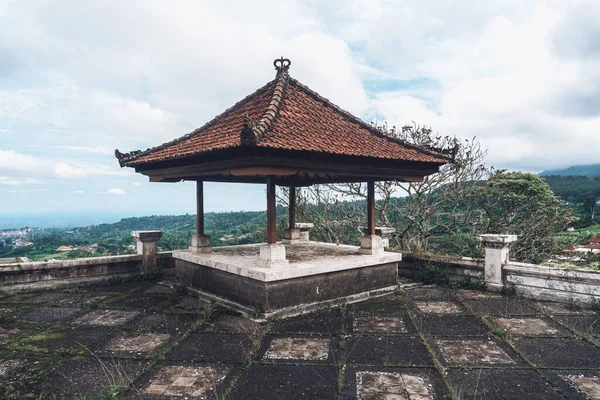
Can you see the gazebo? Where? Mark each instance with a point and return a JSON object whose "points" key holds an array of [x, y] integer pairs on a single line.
{"points": [[286, 134]]}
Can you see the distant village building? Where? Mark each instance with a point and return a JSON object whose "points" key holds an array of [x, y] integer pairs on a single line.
{"points": [[592, 246], [594, 239], [64, 248], [22, 243]]}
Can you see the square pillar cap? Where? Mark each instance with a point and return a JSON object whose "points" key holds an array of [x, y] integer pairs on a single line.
{"points": [[304, 225], [147, 236], [497, 239], [381, 230]]}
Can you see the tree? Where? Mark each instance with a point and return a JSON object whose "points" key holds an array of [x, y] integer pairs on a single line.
{"points": [[435, 206], [522, 204], [589, 205]]}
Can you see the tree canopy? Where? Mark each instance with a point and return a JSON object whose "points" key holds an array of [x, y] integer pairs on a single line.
{"points": [[522, 204]]}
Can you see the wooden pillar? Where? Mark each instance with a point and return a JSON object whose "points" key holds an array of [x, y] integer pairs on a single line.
{"points": [[271, 211], [292, 206], [370, 207], [200, 207]]}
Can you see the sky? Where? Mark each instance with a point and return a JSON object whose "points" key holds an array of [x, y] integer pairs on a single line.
{"points": [[80, 79]]}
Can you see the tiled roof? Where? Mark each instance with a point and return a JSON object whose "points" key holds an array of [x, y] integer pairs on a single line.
{"points": [[284, 114], [594, 239]]}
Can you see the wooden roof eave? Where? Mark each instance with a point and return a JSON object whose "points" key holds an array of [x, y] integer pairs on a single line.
{"points": [[310, 168]]}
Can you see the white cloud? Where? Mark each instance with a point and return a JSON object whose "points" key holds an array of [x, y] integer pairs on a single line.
{"points": [[78, 191], [137, 184], [87, 149], [11, 161], [17, 191], [9, 181], [115, 191], [63, 170]]}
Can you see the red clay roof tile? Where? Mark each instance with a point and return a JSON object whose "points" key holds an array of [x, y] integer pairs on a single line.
{"points": [[285, 114]]}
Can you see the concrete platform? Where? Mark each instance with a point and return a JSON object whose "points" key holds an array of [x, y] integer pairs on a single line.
{"points": [[319, 275]]}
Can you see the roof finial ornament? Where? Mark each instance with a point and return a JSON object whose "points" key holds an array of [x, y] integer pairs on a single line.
{"points": [[282, 64]]}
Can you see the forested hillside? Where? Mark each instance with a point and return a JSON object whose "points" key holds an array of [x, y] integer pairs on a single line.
{"points": [[108, 239], [574, 189]]}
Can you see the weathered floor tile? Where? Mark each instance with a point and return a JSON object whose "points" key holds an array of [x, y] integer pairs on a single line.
{"points": [[437, 307], [70, 340], [528, 326], [48, 297], [5, 333], [450, 325], [8, 367], [83, 299], [576, 384], [586, 324], [188, 304], [88, 376], [501, 384], [106, 318], [429, 293], [389, 385], [588, 385], [386, 305], [472, 352], [559, 352], [235, 324], [561, 309], [141, 301], [307, 348], [143, 343], [502, 306], [158, 289], [387, 350], [162, 323], [212, 347], [287, 381], [330, 322], [377, 324], [121, 288], [186, 381], [49, 314], [479, 295], [378, 380]]}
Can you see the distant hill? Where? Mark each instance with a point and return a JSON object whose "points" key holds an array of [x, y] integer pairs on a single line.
{"points": [[574, 189], [577, 170]]}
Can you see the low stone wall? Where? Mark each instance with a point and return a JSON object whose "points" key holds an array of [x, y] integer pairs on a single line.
{"points": [[11, 274], [166, 260], [34, 276], [552, 284], [452, 269], [498, 273]]}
